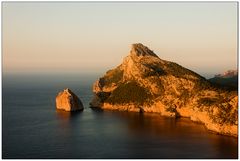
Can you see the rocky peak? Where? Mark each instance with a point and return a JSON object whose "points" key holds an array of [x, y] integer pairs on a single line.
{"points": [[143, 62], [139, 49], [139, 60], [67, 90]]}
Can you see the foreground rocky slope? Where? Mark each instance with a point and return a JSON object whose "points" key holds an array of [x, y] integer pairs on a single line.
{"points": [[146, 83]]}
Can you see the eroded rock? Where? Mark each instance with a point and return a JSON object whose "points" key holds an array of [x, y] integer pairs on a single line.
{"points": [[68, 101]]}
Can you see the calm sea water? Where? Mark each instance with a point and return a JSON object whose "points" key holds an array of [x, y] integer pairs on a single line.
{"points": [[32, 128]]}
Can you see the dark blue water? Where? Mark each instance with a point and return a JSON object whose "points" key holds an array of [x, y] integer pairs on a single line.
{"points": [[32, 128]]}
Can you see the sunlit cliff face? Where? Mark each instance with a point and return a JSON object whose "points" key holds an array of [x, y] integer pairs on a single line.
{"points": [[146, 83]]}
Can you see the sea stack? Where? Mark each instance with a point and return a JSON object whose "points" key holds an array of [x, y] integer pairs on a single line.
{"points": [[146, 83], [68, 101]]}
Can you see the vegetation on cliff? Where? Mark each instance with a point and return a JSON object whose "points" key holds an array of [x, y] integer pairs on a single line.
{"points": [[130, 92], [112, 76]]}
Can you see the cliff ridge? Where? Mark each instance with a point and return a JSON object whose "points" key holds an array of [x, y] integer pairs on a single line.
{"points": [[146, 83]]}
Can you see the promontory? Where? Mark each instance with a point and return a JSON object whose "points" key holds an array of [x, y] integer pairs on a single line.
{"points": [[146, 83]]}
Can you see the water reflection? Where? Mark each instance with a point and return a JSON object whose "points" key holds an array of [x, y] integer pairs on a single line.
{"points": [[135, 135], [158, 125], [172, 138], [63, 115], [224, 145], [67, 122]]}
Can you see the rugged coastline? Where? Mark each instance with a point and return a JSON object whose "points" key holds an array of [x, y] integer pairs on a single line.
{"points": [[146, 83]]}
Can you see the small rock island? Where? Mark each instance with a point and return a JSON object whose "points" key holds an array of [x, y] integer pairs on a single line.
{"points": [[68, 101], [146, 83]]}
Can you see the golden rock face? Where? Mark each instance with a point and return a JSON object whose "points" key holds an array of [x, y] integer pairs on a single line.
{"points": [[68, 101], [145, 83]]}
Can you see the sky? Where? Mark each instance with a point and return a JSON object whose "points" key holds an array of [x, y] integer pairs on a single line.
{"points": [[93, 37]]}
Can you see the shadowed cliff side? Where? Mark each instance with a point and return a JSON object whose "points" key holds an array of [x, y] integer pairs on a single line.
{"points": [[146, 83]]}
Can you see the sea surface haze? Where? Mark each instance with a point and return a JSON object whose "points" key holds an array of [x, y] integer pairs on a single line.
{"points": [[33, 128]]}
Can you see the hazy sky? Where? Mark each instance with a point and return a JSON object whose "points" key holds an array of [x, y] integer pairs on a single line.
{"points": [[93, 37]]}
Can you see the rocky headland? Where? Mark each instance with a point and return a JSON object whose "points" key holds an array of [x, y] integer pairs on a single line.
{"points": [[66, 100], [146, 83]]}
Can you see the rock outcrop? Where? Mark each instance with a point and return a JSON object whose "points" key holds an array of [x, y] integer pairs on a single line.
{"points": [[146, 83], [68, 101]]}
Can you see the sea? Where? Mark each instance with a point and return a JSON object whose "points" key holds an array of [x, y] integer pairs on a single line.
{"points": [[32, 128]]}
